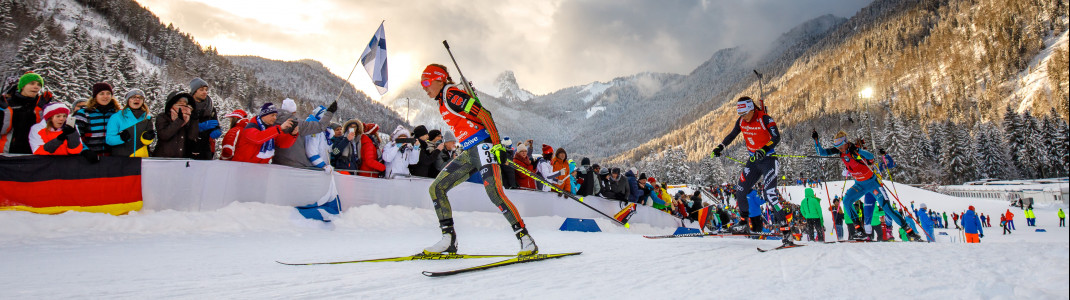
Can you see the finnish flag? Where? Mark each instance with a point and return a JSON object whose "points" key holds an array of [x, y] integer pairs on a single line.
{"points": [[374, 60]]}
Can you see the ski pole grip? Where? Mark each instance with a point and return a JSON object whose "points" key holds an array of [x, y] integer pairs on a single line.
{"points": [[444, 43]]}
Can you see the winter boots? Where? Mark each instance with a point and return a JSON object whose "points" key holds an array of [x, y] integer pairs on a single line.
{"points": [[913, 236]]}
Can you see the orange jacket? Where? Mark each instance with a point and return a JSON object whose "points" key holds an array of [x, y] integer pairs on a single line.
{"points": [[558, 166], [40, 135]]}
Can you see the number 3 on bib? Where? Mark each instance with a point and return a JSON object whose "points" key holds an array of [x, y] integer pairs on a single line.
{"points": [[486, 155]]}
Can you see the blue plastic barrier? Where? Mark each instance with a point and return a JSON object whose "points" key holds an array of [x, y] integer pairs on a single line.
{"points": [[1041, 230], [685, 230], [582, 225]]}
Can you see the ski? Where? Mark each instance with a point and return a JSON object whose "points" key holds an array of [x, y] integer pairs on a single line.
{"points": [[511, 261], [755, 236], [421, 256], [781, 247]]}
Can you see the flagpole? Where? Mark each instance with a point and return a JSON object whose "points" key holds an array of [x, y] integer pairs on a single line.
{"points": [[343, 87]]}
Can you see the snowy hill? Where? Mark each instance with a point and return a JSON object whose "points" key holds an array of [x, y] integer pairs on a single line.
{"points": [[231, 253]]}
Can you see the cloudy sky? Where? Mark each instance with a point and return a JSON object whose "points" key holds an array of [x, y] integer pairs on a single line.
{"points": [[548, 44]]}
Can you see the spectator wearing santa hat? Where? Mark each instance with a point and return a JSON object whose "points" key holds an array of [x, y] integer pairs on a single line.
{"points": [[238, 120], [261, 136], [52, 136]]}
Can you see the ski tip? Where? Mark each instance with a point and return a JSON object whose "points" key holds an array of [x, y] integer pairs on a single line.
{"points": [[627, 225]]}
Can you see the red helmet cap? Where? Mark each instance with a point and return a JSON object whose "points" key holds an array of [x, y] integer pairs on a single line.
{"points": [[237, 113], [433, 72], [546, 149]]}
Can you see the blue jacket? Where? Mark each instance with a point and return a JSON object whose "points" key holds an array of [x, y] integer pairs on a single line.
{"points": [[633, 186], [124, 120], [926, 221], [970, 223], [754, 203]]}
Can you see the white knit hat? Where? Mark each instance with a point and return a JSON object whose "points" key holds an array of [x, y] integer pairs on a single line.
{"points": [[400, 131]]}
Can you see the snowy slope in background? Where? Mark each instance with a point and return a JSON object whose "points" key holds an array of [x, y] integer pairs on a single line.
{"points": [[230, 253]]}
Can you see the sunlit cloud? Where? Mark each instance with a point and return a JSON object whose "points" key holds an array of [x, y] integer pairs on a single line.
{"points": [[548, 44]]}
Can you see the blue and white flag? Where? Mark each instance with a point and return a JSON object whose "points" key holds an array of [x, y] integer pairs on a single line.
{"points": [[374, 59], [328, 207]]}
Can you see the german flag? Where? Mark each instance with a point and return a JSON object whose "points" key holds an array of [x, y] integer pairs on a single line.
{"points": [[56, 184]]}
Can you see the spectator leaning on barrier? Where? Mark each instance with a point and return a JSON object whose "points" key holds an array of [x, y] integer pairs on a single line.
{"points": [[92, 121], [52, 136], [130, 131], [20, 109], [315, 123], [346, 150], [260, 138], [523, 159], [400, 153], [175, 129], [238, 120], [207, 120]]}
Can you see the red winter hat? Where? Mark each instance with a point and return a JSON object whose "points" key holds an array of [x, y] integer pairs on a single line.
{"points": [[651, 180], [53, 109], [434, 72], [371, 128], [971, 207], [546, 149], [237, 113]]}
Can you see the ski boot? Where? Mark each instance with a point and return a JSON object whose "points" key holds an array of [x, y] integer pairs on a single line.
{"points": [[527, 244], [740, 228], [913, 235], [448, 243], [860, 235]]}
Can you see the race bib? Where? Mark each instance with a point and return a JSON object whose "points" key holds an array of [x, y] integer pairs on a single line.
{"points": [[485, 155]]}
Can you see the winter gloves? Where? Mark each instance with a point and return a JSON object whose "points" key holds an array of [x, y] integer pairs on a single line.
{"points": [[814, 134], [717, 151], [210, 125], [124, 135], [758, 155], [149, 135], [333, 107]]}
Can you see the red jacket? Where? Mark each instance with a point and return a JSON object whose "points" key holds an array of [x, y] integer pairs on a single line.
{"points": [[251, 138], [523, 180], [369, 158], [40, 135], [230, 140], [1010, 215]]}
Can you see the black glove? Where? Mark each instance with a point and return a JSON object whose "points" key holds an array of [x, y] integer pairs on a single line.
{"points": [[149, 135], [90, 156], [758, 155], [717, 150], [852, 149], [67, 129], [333, 107], [814, 134], [981, 235], [124, 135]]}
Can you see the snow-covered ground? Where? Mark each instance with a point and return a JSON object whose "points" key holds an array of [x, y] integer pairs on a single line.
{"points": [[231, 253]]}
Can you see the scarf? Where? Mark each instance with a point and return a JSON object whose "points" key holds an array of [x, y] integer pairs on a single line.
{"points": [[267, 150]]}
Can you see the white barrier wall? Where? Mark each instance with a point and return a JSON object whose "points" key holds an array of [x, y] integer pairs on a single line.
{"points": [[192, 185]]}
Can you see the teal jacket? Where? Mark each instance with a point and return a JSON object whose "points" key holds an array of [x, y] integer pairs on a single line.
{"points": [[137, 145]]}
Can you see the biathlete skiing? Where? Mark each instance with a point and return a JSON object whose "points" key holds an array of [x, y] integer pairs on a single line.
{"points": [[481, 150], [762, 136], [857, 162]]}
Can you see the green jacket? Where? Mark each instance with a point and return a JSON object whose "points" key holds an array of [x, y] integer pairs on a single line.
{"points": [[1029, 214], [1061, 214], [877, 214], [811, 206]]}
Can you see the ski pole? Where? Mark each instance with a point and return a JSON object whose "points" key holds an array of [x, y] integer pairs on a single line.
{"points": [[528, 173], [803, 156], [761, 89]]}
